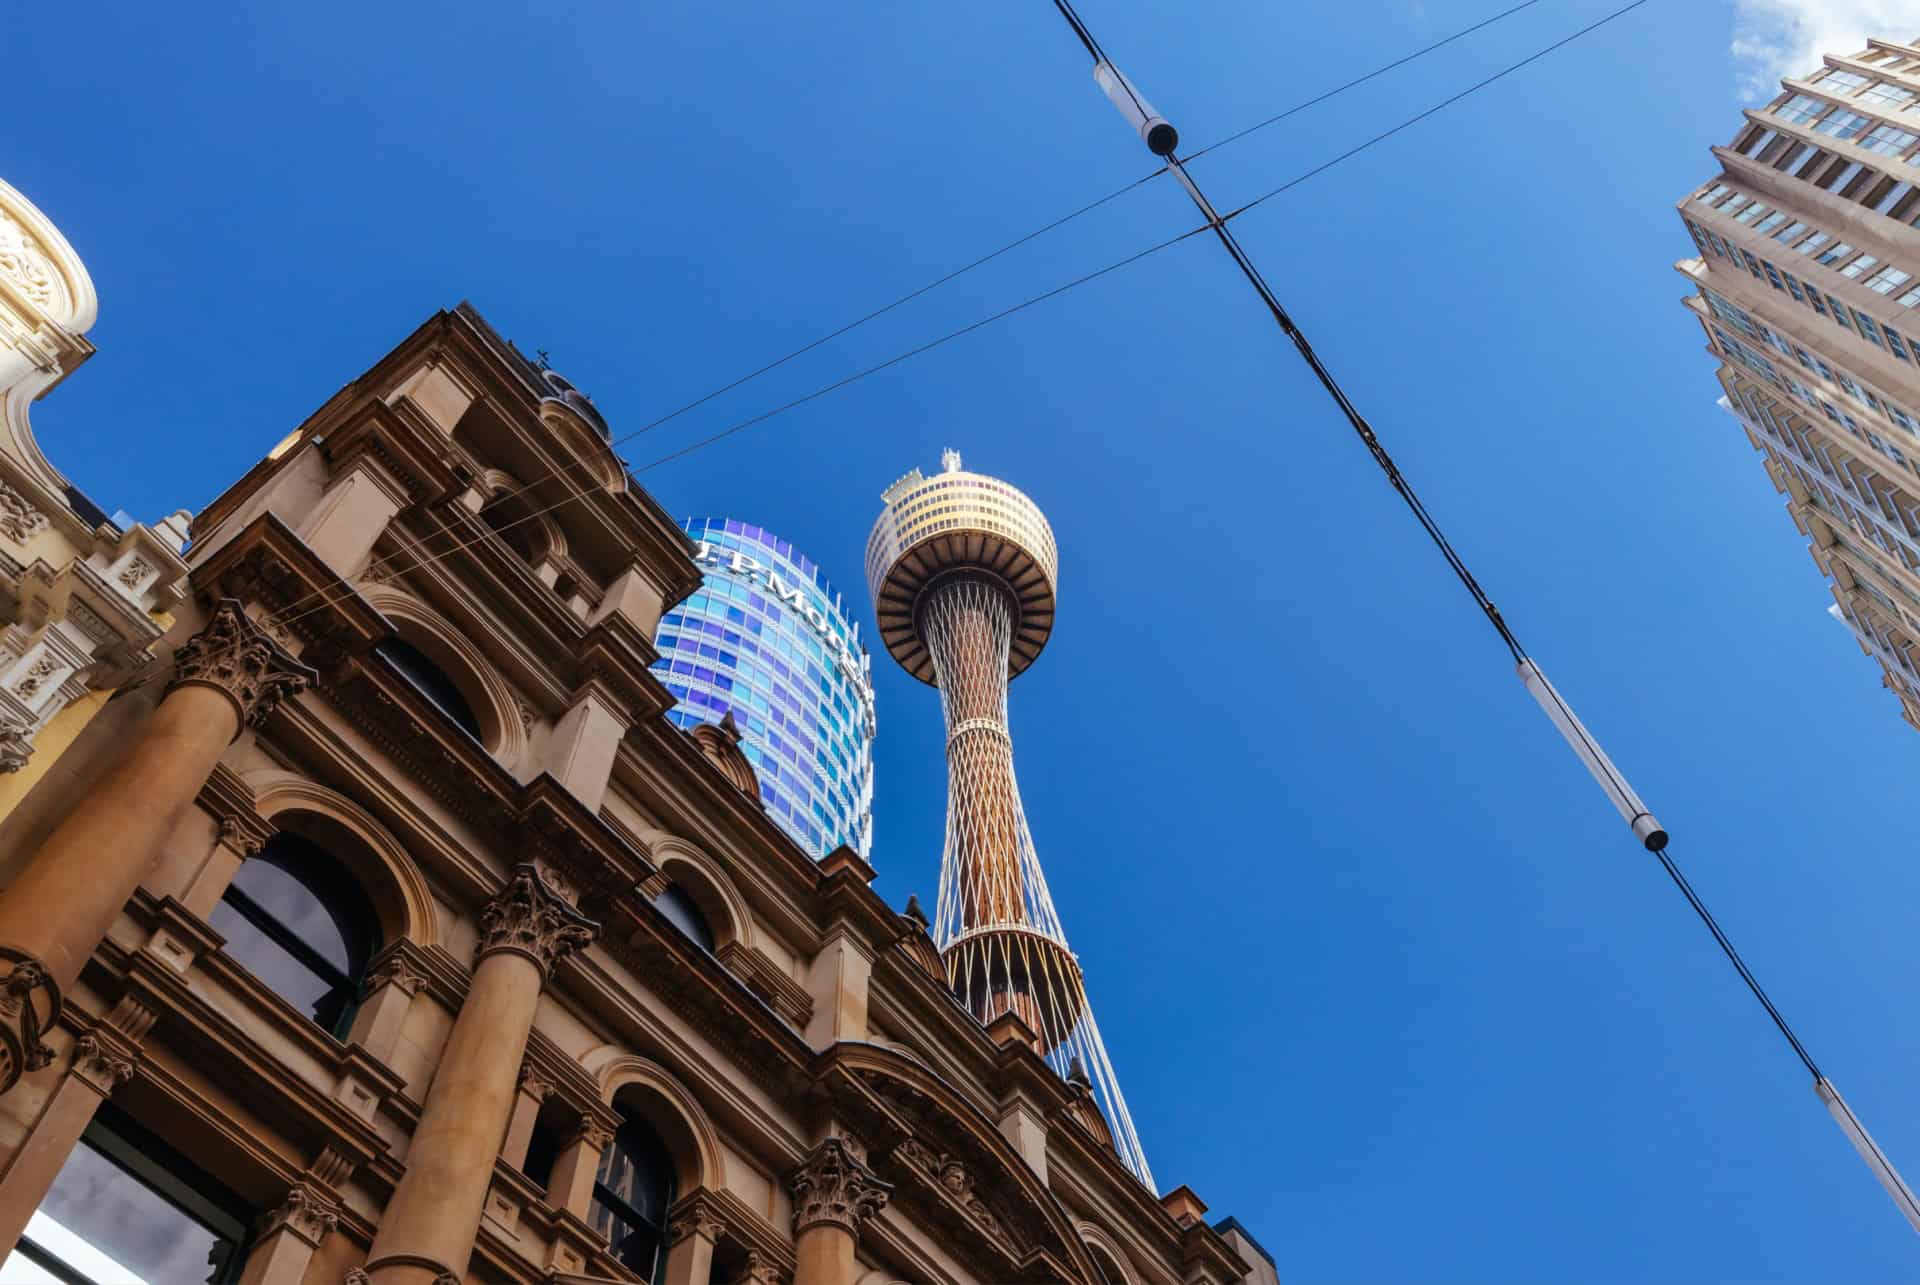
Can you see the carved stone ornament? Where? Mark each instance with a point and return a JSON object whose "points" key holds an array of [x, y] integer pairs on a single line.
{"points": [[358, 1276], [29, 1004], [24, 264], [100, 1064], [594, 1134], [233, 656], [307, 1213], [697, 1219], [37, 673], [830, 1186], [19, 520], [759, 1270], [15, 745], [135, 572], [953, 1178], [394, 970], [535, 1085], [529, 918]]}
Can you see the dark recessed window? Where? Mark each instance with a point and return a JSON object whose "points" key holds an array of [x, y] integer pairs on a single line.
{"points": [[631, 1194], [295, 919], [430, 681], [126, 1206], [684, 913]]}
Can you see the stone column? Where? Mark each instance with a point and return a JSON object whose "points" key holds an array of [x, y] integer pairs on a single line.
{"points": [[227, 677], [291, 1234], [833, 1193], [428, 1229], [692, 1232]]}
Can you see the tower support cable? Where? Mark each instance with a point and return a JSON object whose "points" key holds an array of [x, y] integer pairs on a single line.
{"points": [[1155, 132]]}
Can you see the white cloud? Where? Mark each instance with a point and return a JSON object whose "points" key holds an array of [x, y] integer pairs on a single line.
{"points": [[1775, 38]]}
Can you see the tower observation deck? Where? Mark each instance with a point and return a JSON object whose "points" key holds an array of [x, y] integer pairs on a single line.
{"points": [[963, 571]]}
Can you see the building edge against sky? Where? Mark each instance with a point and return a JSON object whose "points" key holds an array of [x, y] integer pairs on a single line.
{"points": [[1808, 287], [768, 640]]}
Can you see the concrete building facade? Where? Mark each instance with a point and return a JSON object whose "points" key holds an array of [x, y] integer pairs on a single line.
{"points": [[1807, 285], [391, 933]]}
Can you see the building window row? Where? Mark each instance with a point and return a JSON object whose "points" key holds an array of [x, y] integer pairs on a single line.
{"points": [[1810, 158]]}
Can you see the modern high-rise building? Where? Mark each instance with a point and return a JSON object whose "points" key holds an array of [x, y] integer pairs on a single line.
{"points": [[963, 570], [1808, 287], [766, 641]]}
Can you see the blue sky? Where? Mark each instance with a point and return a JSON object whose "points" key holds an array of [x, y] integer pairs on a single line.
{"points": [[1381, 972]]}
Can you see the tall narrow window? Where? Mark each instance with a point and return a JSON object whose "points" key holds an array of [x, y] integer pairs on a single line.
{"points": [[631, 1195], [296, 920], [126, 1207]]}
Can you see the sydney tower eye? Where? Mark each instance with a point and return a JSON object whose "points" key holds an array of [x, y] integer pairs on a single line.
{"points": [[963, 568]]}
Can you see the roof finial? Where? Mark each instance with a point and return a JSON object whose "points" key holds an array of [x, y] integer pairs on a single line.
{"points": [[950, 460]]}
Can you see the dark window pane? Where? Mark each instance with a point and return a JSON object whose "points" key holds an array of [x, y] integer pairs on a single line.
{"points": [[684, 913], [101, 1223], [430, 681], [259, 954]]}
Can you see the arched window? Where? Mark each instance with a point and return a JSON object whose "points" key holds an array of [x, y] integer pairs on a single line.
{"points": [[512, 521], [631, 1195], [684, 913], [295, 919], [432, 682], [1110, 1273]]}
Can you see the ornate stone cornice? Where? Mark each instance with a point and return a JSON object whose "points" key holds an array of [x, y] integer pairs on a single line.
{"points": [[528, 918], [239, 660], [831, 1186]]}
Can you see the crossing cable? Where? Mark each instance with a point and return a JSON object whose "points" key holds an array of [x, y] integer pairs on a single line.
{"points": [[1654, 838], [1033, 235], [415, 548]]}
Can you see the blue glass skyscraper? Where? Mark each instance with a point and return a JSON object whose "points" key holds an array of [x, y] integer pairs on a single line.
{"points": [[767, 639]]}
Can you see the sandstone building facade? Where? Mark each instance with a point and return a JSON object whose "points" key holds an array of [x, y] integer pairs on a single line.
{"points": [[384, 928]]}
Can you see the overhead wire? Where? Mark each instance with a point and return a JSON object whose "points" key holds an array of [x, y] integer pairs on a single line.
{"points": [[415, 549], [1572, 726]]}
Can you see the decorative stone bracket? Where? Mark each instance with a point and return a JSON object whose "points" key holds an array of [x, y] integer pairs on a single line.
{"points": [[831, 1186]]}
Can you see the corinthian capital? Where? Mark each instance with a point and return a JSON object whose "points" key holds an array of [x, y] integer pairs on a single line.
{"points": [[529, 918], [235, 658], [830, 1186]]}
